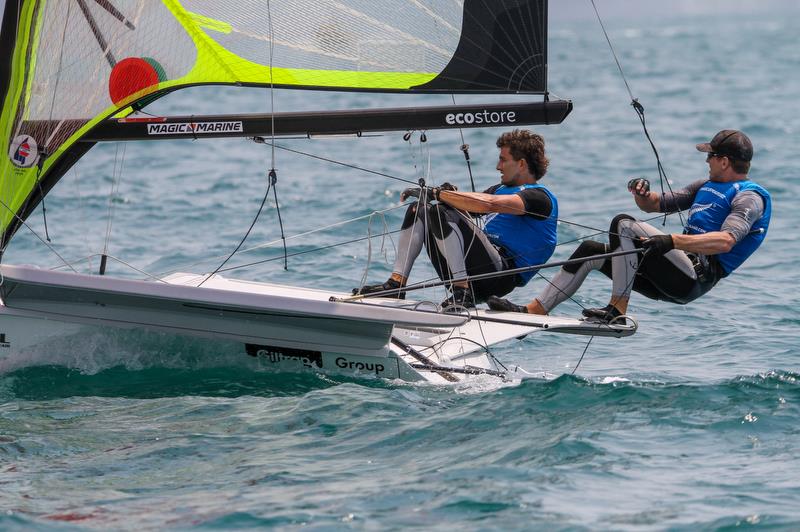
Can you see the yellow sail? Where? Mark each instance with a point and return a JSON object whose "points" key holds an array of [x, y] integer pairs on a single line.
{"points": [[67, 65]]}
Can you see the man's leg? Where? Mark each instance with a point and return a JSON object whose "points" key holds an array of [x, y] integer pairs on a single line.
{"points": [[460, 249], [569, 278], [675, 269], [564, 284], [627, 230], [410, 242]]}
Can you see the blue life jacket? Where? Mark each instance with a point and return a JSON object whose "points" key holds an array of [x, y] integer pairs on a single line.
{"points": [[526, 239], [712, 204]]}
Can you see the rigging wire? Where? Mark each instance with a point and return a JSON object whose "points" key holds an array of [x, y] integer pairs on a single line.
{"points": [[492, 275], [116, 177], [585, 349], [298, 235], [386, 232], [273, 174], [255, 219], [262, 140], [39, 166], [37, 235], [639, 108], [82, 213], [322, 248], [465, 149]]}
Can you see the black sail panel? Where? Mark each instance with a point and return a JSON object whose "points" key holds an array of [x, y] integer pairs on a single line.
{"points": [[503, 48]]}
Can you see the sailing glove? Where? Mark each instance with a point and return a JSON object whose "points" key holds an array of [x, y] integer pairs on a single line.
{"points": [[658, 244], [639, 186], [425, 194]]}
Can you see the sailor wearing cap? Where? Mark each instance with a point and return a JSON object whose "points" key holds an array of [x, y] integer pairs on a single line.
{"points": [[728, 219]]}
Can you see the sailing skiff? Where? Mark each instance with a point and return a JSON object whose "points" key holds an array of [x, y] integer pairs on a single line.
{"points": [[77, 72]]}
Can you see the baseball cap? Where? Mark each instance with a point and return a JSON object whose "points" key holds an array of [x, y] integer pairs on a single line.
{"points": [[731, 143]]}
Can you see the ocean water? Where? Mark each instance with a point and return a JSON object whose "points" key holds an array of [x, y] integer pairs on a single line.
{"points": [[691, 424]]}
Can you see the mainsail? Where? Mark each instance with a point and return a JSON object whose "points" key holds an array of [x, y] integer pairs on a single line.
{"points": [[68, 67]]}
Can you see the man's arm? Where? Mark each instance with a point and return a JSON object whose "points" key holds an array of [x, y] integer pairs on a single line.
{"points": [[478, 202], [648, 202], [746, 208], [651, 201], [711, 243]]}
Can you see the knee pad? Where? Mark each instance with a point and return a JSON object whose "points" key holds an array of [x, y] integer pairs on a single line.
{"points": [[613, 230], [587, 248]]}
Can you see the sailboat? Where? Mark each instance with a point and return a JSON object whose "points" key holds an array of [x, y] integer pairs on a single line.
{"points": [[74, 73]]}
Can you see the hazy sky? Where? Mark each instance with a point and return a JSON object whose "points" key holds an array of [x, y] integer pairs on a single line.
{"points": [[613, 9], [580, 9]]}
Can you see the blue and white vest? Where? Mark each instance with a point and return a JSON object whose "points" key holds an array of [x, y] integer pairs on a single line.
{"points": [[526, 239], [712, 204]]}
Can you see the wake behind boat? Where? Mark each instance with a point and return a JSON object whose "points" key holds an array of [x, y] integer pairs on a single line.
{"points": [[121, 58]]}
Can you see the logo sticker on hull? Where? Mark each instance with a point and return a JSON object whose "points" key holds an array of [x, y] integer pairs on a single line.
{"points": [[4, 341], [376, 367], [309, 359]]}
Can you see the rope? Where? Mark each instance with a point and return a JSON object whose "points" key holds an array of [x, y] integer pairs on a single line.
{"points": [[365, 275], [639, 108], [255, 219], [116, 178], [41, 193], [465, 149], [273, 175], [582, 355], [34, 233], [273, 179], [262, 140], [492, 275]]}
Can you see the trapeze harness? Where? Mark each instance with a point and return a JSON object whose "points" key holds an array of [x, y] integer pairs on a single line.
{"points": [[525, 240], [711, 206]]}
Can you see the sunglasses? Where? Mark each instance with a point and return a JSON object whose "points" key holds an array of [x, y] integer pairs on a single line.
{"points": [[714, 154]]}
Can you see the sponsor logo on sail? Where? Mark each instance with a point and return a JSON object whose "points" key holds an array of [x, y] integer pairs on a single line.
{"points": [[481, 118], [195, 128], [24, 151]]}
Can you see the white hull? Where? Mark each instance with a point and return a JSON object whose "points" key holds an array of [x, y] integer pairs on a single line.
{"points": [[285, 328]]}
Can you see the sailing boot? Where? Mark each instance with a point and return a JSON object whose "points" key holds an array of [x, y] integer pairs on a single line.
{"points": [[391, 284], [460, 297], [608, 314], [496, 303]]}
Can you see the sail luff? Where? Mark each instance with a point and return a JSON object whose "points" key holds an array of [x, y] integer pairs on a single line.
{"points": [[14, 182]]}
